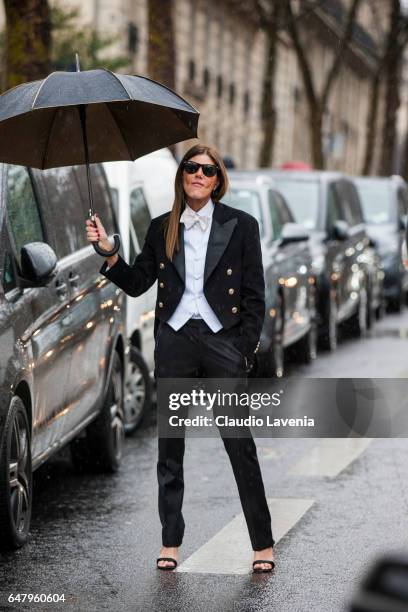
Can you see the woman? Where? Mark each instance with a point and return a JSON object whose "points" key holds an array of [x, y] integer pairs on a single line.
{"points": [[210, 309]]}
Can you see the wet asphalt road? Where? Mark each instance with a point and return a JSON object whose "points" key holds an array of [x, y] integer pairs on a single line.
{"points": [[95, 538]]}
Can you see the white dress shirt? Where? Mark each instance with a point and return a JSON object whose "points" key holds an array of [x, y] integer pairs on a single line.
{"points": [[193, 303]]}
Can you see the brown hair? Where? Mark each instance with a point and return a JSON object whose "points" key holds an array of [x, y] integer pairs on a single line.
{"points": [[171, 223]]}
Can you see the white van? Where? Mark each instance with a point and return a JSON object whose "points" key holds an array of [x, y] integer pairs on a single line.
{"points": [[141, 190]]}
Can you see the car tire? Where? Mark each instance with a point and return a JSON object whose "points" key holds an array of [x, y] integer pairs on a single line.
{"points": [[357, 324], [272, 363], [371, 315], [395, 304], [16, 481], [329, 337], [138, 391], [101, 448], [305, 350]]}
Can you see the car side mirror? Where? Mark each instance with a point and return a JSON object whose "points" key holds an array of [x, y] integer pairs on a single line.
{"points": [[372, 243], [38, 264], [293, 232], [341, 230]]}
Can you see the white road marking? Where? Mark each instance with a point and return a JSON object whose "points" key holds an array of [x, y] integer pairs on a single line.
{"points": [[330, 456], [230, 550]]}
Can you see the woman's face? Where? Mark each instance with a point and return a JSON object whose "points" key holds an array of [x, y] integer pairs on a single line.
{"points": [[197, 186]]}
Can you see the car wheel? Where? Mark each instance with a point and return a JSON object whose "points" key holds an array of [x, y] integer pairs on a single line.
{"points": [[15, 478], [102, 446], [370, 312], [358, 322], [396, 303], [329, 337], [138, 390], [305, 350]]}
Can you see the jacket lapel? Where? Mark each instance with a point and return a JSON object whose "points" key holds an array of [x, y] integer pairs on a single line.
{"points": [[179, 258], [220, 234]]}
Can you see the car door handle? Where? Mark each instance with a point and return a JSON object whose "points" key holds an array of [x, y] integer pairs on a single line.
{"points": [[61, 288], [73, 279]]}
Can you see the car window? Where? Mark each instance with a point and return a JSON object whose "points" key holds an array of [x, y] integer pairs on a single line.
{"points": [[402, 202], [346, 202], [334, 212], [279, 212], [247, 200], [8, 277], [356, 208], [23, 213], [376, 200], [303, 200], [65, 211], [139, 214]]}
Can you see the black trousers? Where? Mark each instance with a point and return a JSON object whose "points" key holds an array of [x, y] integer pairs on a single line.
{"points": [[195, 351]]}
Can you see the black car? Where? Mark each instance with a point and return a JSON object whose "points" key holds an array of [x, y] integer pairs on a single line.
{"points": [[348, 276], [290, 298], [63, 346], [385, 208]]}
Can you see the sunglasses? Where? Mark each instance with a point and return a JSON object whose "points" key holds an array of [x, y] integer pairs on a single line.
{"points": [[209, 170]]}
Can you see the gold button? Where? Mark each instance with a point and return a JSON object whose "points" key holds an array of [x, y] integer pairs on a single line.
{"points": [[234, 309], [231, 291], [161, 285], [229, 271], [160, 304], [161, 265]]}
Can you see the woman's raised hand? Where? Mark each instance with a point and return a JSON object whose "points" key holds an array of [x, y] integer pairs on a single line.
{"points": [[98, 234]]}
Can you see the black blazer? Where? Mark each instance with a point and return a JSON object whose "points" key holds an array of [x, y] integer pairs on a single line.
{"points": [[233, 274]]}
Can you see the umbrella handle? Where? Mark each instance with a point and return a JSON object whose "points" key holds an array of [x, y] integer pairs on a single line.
{"points": [[98, 249], [115, 249]]}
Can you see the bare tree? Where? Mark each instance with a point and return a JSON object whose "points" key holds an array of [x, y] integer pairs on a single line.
{"points": [[270, 21], [318, 101], [28, 40], [161, 50], [393, 59]]}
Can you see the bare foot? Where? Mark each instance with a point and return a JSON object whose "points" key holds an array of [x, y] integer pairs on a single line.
{"points": [[266, 553], [168, 552]]}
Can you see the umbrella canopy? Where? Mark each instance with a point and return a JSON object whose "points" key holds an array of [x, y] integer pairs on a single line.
{"points": [[93, 116], [126, 117]]}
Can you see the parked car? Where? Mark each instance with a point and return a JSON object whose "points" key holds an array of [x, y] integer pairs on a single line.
{"points": [[350, 283], [385, 208], [290, 319], [62, 328], [348, 279]]}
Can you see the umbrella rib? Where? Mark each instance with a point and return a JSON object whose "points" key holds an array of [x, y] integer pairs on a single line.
{"points": [[119, 81], [49, 136], [40, 88], [120, 131]]}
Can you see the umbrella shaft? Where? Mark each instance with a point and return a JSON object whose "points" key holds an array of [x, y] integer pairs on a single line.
{"points": [[82, 116]]}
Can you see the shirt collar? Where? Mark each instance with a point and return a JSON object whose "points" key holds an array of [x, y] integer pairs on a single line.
{"points": [[206, 210]]}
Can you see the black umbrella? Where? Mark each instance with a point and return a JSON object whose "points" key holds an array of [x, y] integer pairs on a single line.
{"points": [[91, 116]]}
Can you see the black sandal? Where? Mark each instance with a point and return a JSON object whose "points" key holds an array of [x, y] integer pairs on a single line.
{"points": [[166, 567], [262, 571]]}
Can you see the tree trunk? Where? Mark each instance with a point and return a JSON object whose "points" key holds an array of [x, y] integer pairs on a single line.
{"points": [[161, 50], [28, 41], [393, 67], [371, 126], [316, 136], [269, 115]]}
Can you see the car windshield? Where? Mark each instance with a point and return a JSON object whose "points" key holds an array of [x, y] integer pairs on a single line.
{"points": [[247, 200], [303, 200], [376, 201]]}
